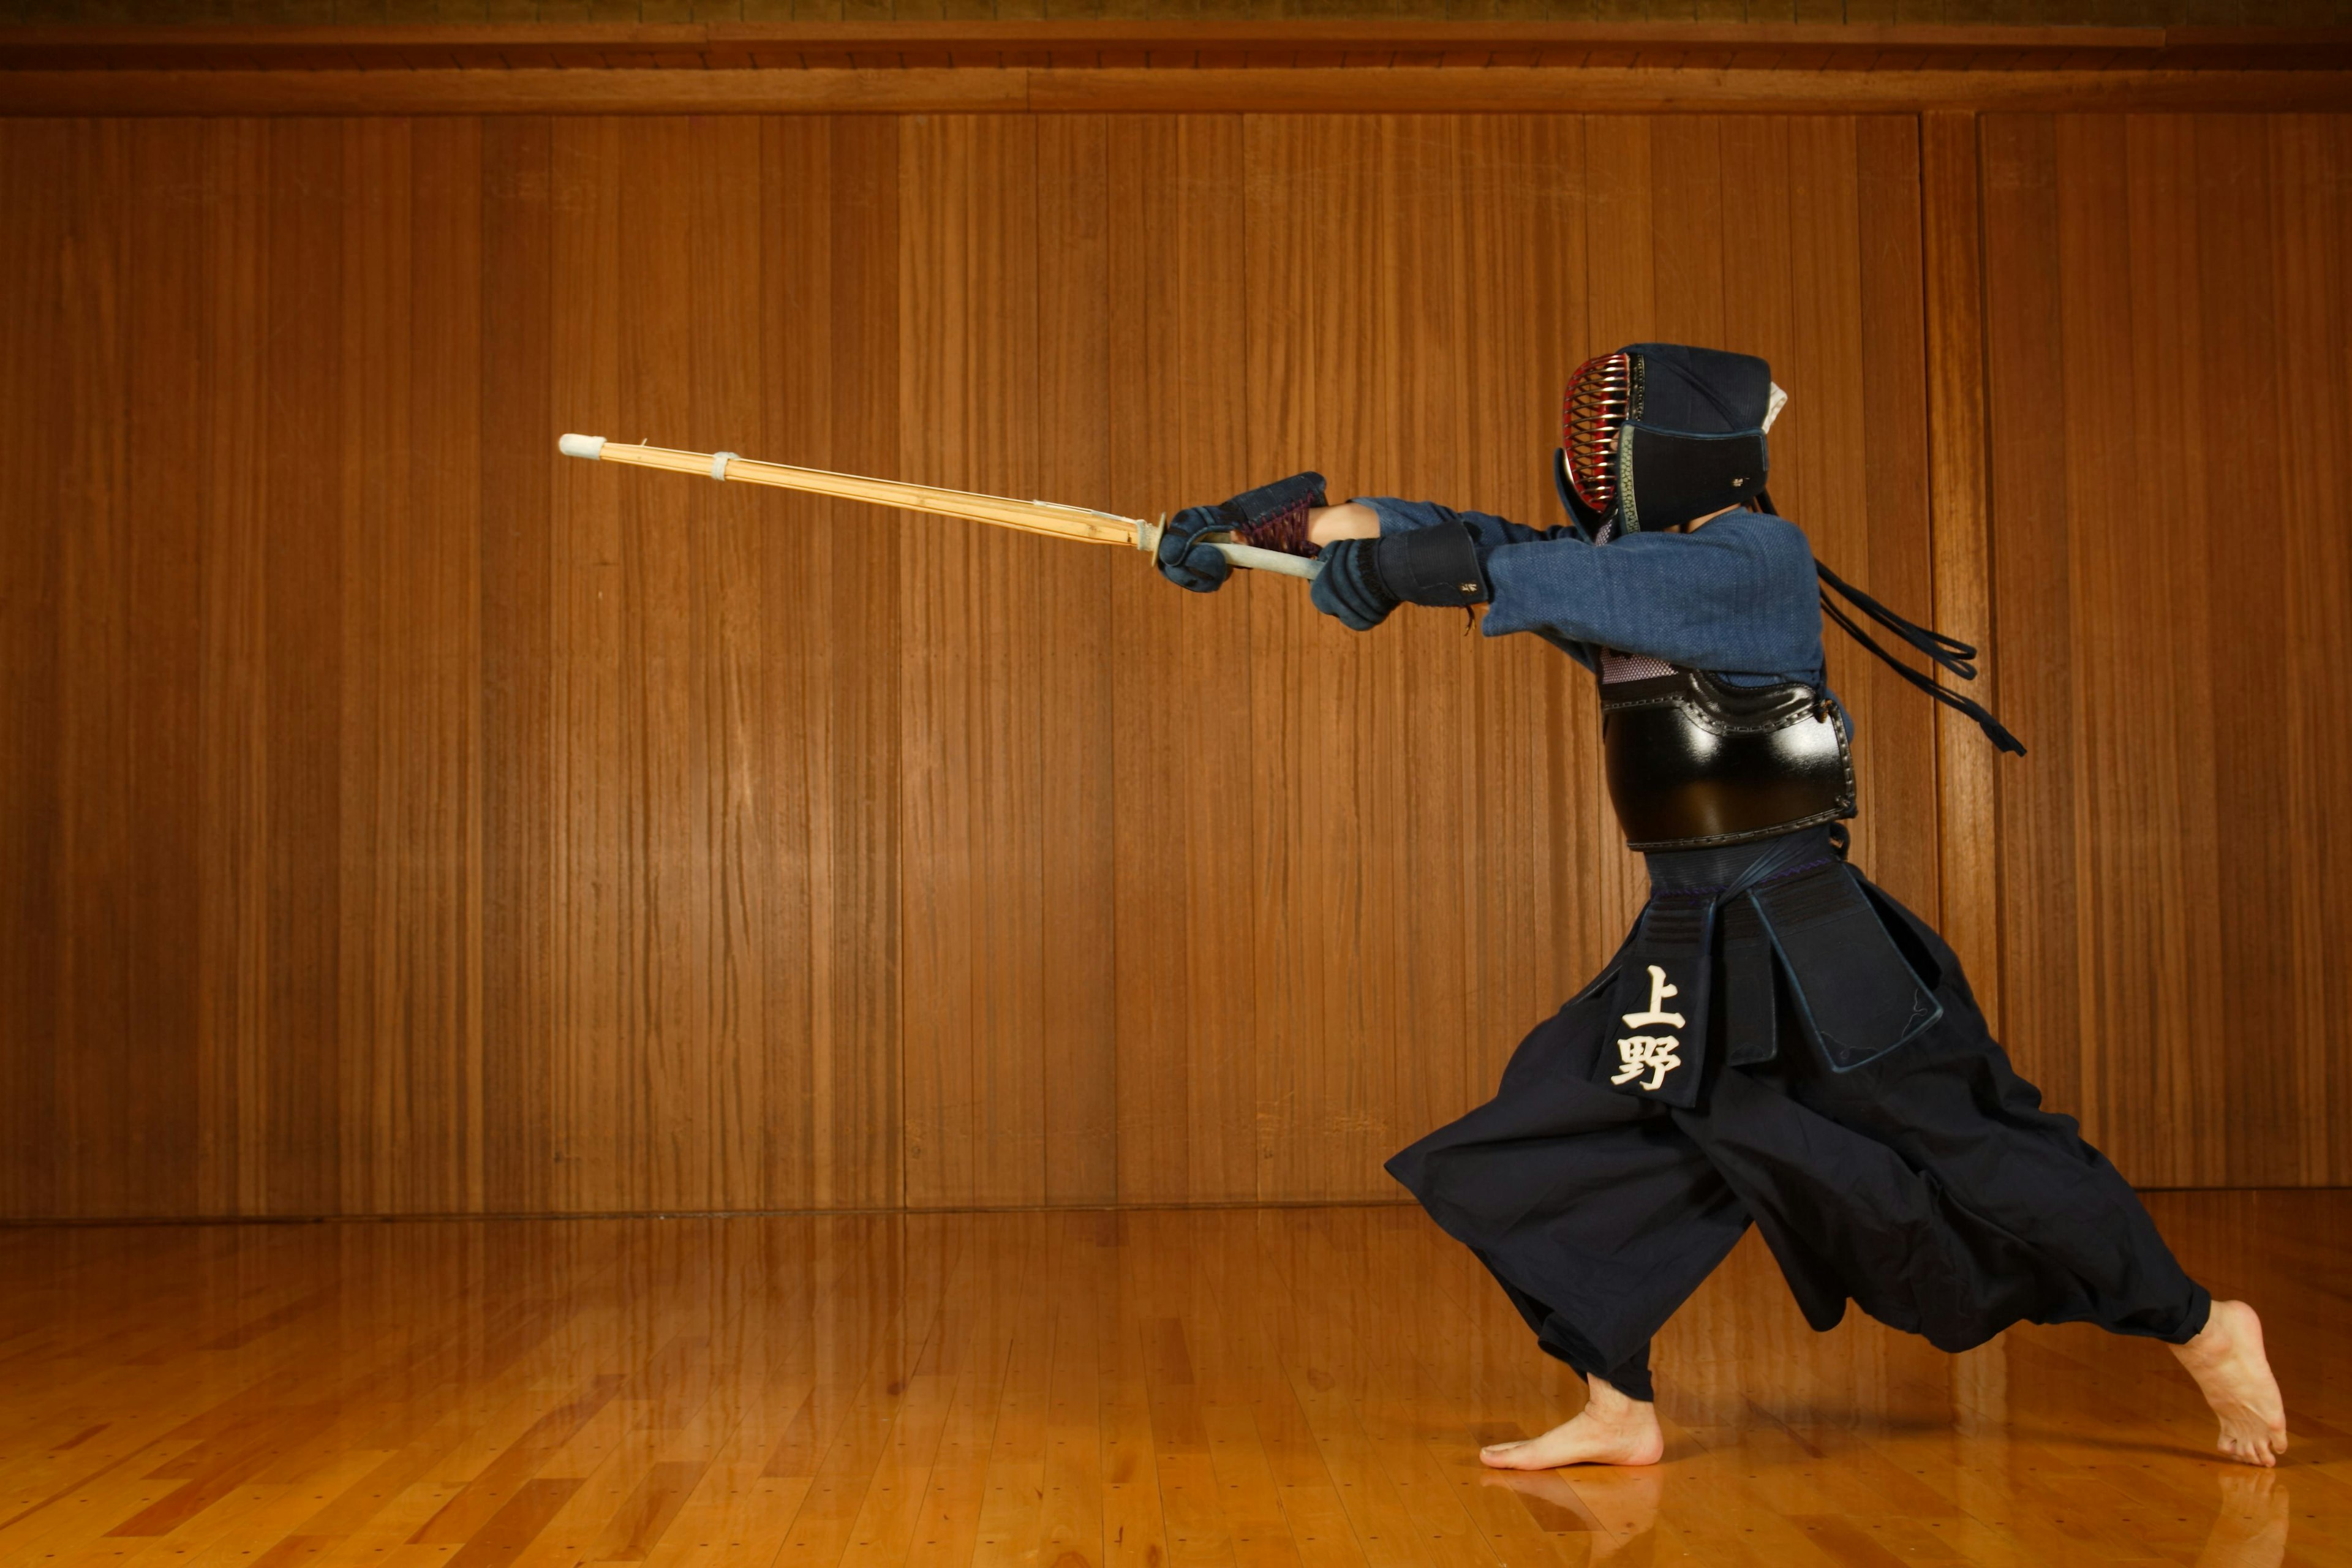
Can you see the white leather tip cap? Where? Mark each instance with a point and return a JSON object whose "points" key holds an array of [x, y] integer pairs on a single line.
{"points": [[589, 447]]}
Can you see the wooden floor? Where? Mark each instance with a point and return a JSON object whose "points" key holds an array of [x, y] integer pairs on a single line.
{"points": [[1266, 1386]]}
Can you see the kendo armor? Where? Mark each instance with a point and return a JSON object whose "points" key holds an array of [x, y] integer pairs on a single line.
{"points": [[1653, 436], [1694, 762]]}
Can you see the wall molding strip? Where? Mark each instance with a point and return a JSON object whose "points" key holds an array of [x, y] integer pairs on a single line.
{"points": [[1162, 66]]}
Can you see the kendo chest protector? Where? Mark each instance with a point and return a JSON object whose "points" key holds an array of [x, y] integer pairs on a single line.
{"points": [[1693, 761]]}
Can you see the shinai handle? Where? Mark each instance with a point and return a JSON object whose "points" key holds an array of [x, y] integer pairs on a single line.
{"points": [[1030, 516], [1249, 556]]}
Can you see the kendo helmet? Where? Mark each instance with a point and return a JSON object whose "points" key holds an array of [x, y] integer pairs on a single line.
{"points": [[1658, 434]]}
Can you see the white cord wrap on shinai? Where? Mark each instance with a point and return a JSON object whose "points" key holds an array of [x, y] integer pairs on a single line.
{"points": [[718, 464]]}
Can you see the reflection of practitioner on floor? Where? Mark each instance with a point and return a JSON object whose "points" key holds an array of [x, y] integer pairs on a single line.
{"points": [[1619, 1508], [1777, 1041], [2250, 1530], [1622, 1504]]}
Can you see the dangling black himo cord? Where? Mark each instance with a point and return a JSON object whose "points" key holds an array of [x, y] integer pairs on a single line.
{"points": [[1947, 653]]}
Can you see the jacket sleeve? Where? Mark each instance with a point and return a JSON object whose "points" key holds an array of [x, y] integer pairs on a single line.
{"points": [[1490, 531], [1736, 596]]}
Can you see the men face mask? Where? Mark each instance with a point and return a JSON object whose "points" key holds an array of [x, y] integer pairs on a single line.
{"points": [[1591, 420], [1658, 434]]}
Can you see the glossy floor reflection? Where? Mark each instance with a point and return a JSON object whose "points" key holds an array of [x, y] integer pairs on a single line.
{"points": [[1290, 1386]]}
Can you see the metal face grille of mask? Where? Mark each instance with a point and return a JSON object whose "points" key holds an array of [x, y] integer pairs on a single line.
{"points": [[1604, 393]]}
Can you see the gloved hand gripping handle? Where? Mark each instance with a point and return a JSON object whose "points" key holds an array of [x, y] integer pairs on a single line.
{"points": [[1146, 538]]}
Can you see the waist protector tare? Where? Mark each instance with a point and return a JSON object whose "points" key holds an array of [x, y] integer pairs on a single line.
{"points": [[1694, 761]]}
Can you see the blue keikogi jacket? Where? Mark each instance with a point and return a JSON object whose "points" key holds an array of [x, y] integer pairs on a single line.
{"points": [[1737, 597]]}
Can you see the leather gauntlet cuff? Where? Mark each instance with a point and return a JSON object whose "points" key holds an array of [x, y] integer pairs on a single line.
{"points": [[1437, 565]]}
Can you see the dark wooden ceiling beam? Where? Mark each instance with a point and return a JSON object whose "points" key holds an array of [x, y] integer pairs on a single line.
{"points": [[738, 45], [1331, 64], [1016, 90]]}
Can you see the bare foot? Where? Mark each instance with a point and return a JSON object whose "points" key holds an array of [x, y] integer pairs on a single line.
{"points": [[2226, 1360], [1611, 1430]]}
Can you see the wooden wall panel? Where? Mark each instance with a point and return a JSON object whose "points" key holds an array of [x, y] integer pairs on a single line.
{"points": [[1951, 236], [1896, 553], [830, 721], [403, 819], [1528, 280], [1077, 794], [409, 1027], [2165, 326], [975, 726], [1188, 923], [233, 714], [36, 178], [300, 814], [2310, 225], [515, 613]]}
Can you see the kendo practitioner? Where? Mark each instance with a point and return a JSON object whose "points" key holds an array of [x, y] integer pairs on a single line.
{"points": [[1777, 1041]]}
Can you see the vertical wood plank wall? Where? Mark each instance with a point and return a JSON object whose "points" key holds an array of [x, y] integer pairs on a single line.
{"points": [[2168, 315], [395, 818]]}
